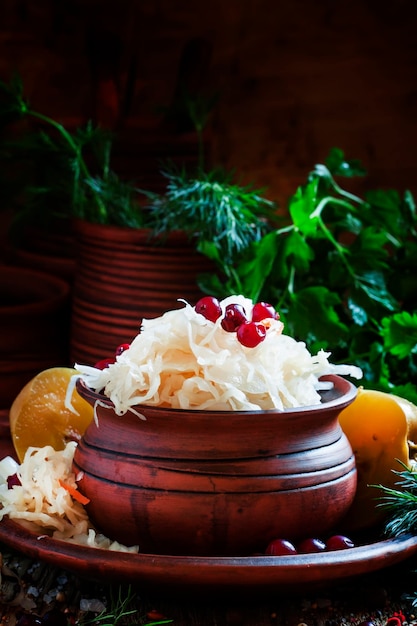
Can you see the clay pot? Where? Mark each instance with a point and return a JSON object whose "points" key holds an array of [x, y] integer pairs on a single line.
{"points": [[123, 276], [34, 326], [55, 265], [46, 250], [216, 482]]}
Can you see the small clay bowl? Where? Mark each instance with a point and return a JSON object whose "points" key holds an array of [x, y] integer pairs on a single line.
{"points": [[215, 483]]}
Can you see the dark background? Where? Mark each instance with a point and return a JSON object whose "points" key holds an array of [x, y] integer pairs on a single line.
{"points": [[293, 78]]}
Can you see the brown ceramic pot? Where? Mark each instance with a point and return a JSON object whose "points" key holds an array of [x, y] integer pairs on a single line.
{"points": [[216, 482], [34, 327], [123, 276], [49, 250]]}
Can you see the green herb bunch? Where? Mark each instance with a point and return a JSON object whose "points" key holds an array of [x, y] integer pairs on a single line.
{"points": [[401, 503], [401, 507], [222, 217], [77, 178], [340, 269]]}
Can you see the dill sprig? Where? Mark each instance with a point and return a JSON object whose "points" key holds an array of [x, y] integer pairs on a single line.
{"points": [[401, 503], [120, 198], [223, 217]]}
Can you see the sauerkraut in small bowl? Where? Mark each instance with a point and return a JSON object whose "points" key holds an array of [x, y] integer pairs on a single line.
{"points": [[184, 360]]}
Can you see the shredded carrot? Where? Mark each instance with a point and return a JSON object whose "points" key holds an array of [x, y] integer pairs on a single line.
{"points": [[74, 493]]}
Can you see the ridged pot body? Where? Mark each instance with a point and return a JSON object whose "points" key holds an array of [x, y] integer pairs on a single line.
{"points": [[216, 482], [123, 275]]}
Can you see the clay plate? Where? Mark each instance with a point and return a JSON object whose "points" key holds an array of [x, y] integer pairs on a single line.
{"points": [[181, 574]]}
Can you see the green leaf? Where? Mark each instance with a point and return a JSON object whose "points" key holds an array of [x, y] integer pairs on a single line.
{"points": [[314, 317], [212, 284], [350, 223], [370, 293], [368, 250], [12, 103], [370, 357], [339, 166], [410, 206], [302, 205], [358, 313], [257, 265], [407, 391], [294, 251], [385, 211], [387, 199], [400, 334], [209, 249]]}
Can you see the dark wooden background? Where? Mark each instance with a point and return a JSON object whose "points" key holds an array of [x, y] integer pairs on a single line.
{"points": [[293, 78]]}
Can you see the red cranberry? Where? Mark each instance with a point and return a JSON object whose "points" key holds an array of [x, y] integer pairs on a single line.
{"points": [[209, 307], [263, 310], [339, 542], [280, 547], [250, 334], [122, 348], [310, 545], [234, 316], [101, 365]]}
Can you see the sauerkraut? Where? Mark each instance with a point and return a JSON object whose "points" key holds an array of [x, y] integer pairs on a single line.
{"points": [[39, 498], [183, 360]]}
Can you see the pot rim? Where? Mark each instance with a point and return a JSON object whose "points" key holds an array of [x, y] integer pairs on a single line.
{"points": [[347, 389], [140, 234]]}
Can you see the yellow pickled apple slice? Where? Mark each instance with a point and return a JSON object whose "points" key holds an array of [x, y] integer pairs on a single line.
{"points": [[377, 428], [39, 417]]}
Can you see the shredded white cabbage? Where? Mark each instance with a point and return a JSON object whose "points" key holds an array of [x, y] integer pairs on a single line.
{"points": [[182, 360], [41, 500]]}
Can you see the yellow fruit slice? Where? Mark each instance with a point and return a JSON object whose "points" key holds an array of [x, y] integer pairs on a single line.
{"points": [[377, 428], [39, 417]]}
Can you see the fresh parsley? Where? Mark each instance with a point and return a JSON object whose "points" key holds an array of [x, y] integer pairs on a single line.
{"points": [[341, 271]]}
